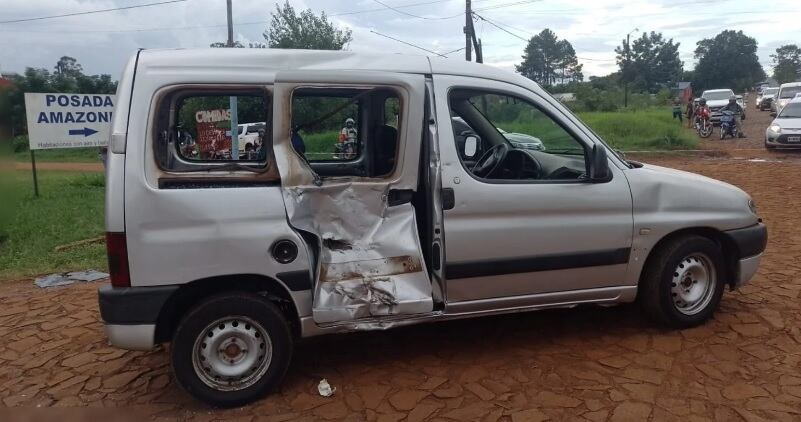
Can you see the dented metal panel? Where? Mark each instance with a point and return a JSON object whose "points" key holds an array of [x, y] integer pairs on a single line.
{"points": [[370, 261]]}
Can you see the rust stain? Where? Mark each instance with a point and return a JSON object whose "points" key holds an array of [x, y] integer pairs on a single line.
{"points": [[369, 269]]}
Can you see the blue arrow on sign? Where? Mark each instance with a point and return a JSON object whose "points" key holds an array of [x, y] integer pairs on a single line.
{"points": [[85, 132]]}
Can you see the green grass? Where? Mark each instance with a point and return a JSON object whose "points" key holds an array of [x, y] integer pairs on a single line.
{"points": [[70, 208], [67, 155], [649, 129]]}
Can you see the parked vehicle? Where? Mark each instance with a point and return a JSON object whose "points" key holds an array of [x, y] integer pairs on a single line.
{"points": [[703, 123], [249, 133], [233, 261], [785, 130], [716, 99], [786, 93], [728, 124], [764, 100]]}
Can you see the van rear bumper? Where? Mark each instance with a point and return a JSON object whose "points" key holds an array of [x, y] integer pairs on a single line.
{"points": [[131, 337], [130, 314]]}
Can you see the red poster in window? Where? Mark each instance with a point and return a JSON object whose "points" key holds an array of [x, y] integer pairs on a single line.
{"points": [[213, 135]]}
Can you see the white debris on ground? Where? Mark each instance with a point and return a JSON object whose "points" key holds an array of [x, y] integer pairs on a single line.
{"points": [[325, 389], [64, 279]]}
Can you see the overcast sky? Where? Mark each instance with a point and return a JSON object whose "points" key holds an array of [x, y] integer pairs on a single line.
{"points": [[102, 42]]}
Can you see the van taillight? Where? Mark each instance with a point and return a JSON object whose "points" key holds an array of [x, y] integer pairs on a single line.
{"points": [[117, 250]]}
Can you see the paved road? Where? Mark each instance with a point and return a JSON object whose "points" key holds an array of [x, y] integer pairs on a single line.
{"points": [[593, 364]]}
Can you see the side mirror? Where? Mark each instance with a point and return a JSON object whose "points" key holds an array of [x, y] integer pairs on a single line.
{"points": [[599, 164], [470, 146]]}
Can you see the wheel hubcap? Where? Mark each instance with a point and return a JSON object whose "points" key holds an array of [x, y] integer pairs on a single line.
{"points": [[232, 353], [693, 284]]}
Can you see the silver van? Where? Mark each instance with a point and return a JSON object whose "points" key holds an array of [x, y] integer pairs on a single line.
{"points": [[431, 214]]}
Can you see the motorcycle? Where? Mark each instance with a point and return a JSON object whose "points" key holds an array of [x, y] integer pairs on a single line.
{"points": [[702, 123], [728, 124], [347, 150]]}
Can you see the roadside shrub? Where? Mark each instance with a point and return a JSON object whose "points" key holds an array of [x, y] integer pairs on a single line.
{"points": [[89, 180], [20, 143]]}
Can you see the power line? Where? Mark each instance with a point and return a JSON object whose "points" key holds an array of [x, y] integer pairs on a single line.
{"points": [[408, 43], [498, 25], [401, 11], [92, 11]]}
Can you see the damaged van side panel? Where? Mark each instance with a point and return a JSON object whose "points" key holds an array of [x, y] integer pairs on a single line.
{"points": [[370, 263]]}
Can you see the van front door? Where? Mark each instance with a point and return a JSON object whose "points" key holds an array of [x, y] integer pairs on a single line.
{"points": [[527, 225], [348, 151]]}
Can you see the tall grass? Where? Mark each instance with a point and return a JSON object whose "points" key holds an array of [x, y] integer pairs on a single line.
{"points": [[69, 208], [649, 129]]}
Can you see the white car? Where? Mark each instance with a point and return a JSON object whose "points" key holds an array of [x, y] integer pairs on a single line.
{"points": [[765, 98], [786, 93], [716, 99], [785, 130]]}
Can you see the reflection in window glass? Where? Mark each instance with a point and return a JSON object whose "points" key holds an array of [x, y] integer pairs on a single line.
{"points": [[203, 128], [329, 129]]}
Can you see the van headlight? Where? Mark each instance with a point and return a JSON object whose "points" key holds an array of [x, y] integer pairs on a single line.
{"points": [[752, 206], [774, 128]]}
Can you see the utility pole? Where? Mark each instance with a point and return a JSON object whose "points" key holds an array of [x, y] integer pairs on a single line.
{"points": [[470, 40], [232, 101], [468, 30], [627, 71], [230, 26]]}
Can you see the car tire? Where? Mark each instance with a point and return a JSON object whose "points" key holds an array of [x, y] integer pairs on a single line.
{"points": [[213, 349], [683, 282]]}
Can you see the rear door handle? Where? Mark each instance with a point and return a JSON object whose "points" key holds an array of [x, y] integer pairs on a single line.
{"points": [[448, 199]]}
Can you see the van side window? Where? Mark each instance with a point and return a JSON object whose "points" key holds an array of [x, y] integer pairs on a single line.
{"points": [[346, 132], [195, 130], [503, 137]]}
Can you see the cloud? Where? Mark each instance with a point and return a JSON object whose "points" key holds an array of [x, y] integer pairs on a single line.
{"points": [[103, 42]]}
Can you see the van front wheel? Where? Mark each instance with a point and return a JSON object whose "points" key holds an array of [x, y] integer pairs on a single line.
{"points": [[683, 283], [231, 349]]}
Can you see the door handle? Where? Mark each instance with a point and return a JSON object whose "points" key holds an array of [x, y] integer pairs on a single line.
{"points": [[399, 196], [448, 199]]}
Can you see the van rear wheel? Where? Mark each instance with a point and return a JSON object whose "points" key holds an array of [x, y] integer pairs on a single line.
{"points": [[231, 349], [683, 283]]}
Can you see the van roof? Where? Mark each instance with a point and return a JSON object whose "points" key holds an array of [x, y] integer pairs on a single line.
{"points": [[719, 90], [215, 59], [790, 84]]}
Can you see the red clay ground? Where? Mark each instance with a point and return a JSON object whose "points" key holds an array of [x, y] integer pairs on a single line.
{"points": [[592, 363]]}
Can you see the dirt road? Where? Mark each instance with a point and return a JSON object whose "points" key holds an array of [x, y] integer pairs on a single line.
{"points": [[594, 364]]}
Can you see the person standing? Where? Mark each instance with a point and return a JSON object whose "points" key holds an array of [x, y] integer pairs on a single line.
{"points": [[677, 109], [690, 112]]}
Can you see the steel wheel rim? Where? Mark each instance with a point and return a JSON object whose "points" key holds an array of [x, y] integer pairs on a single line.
{"points": [[232, 353], [693, 283]]}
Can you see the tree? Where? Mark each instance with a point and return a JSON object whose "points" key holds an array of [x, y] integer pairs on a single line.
{"points": [[68, 66], [653, 62], [68, 77], [728, 60], [787, 63], [288, 29], [548, 60]]}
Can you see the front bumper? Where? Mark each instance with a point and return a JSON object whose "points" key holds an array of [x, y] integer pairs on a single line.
{"points": [[130, 314], [750, 243], [782, 141]]}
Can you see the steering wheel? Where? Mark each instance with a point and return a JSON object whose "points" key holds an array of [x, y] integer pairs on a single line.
{"points": [[490, 160]]}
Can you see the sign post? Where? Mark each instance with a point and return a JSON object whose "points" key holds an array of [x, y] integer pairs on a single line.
{"points": [[35, 179], [60, 120]]}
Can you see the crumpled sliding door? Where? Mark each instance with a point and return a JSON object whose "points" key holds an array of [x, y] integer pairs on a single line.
{"points": [[369, 261]]}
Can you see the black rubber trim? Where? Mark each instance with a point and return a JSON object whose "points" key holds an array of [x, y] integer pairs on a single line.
{"points": [[536, 263], [180, 183], [750, 241], [297, 281], [132, 305]]}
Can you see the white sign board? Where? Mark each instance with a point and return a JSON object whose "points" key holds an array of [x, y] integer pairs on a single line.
{"points": [[68, 120]]}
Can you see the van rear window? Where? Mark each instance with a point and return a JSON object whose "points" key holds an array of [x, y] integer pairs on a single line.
{"points": [[197, 130]]}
